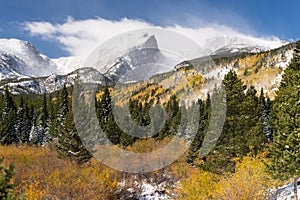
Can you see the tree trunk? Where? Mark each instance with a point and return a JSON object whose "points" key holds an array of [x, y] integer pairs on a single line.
{"points": [[295, 188]]}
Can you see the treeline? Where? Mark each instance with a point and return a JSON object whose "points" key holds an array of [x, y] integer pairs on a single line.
{"points": [[20, 119], [36, 119], [39, 119]]}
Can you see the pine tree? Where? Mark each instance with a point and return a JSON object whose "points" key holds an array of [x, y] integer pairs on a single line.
{"points": [[265, 110], [54, 117], [63, 105], [43, 123], [34, 127], [25, 133], [111, 130], [267, 127], [204, 109], [157, 115], [58, 110], [69, 144], [228, 145], [20, 126], [107, 121], [173, 110], [285, 154], [7, 132], [123, 138], [39, 131], [251, 113], [106, 105], [173, 118]]}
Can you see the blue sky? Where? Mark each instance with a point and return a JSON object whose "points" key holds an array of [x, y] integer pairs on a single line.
{"points": [[258, 18]]}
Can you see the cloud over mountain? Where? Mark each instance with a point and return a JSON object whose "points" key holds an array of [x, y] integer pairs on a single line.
{"points": [[80, 37]]}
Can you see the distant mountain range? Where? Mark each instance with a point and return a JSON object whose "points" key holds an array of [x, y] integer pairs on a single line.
{"points": [[25, 70]]}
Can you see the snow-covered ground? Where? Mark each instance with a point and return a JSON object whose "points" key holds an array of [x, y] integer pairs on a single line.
{"points": [[286, 192], [153, 192], [142, 187]]}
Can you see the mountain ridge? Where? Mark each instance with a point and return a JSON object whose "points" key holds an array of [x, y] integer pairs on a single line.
{"points": [[137, 56], [21, 59]]}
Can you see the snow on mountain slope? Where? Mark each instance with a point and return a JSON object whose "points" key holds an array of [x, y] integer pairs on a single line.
{"points": [[26, 70], [31, 72], [121, 55], [218, 41], [21, 59], [234, 49], [118, 57], [262, 70], [52, 83], [68, 64]]}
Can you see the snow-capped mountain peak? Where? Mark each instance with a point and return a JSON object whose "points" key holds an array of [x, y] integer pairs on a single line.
{"points": [[18, 47], [112, 54], [117, 57], [20, 58]]}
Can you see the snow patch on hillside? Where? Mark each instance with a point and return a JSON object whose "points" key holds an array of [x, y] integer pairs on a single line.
{"points": [[218, 73]]}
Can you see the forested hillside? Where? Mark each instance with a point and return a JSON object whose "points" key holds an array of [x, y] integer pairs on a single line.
{"points": [[259, 138]]}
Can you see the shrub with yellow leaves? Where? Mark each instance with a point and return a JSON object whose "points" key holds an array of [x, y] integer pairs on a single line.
{"points": [[42, 175], [249, 182], [198, 185], [34, 191]]}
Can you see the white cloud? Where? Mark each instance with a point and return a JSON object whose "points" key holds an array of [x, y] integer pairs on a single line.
{"points": [[80, 37], [44, 29]]}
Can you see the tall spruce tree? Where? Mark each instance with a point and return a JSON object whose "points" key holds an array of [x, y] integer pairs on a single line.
{"points": [[62, 105], [69, 145], [113, 133], [285, 116], [42, 136], [204, 111], [123, 138], [25, 133], [265, 106], [173, 118], [251, 115], [105, 105], [7, 131], [20, 125], [231, 138], [58, 112], [54, 116], [39, 131]]}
